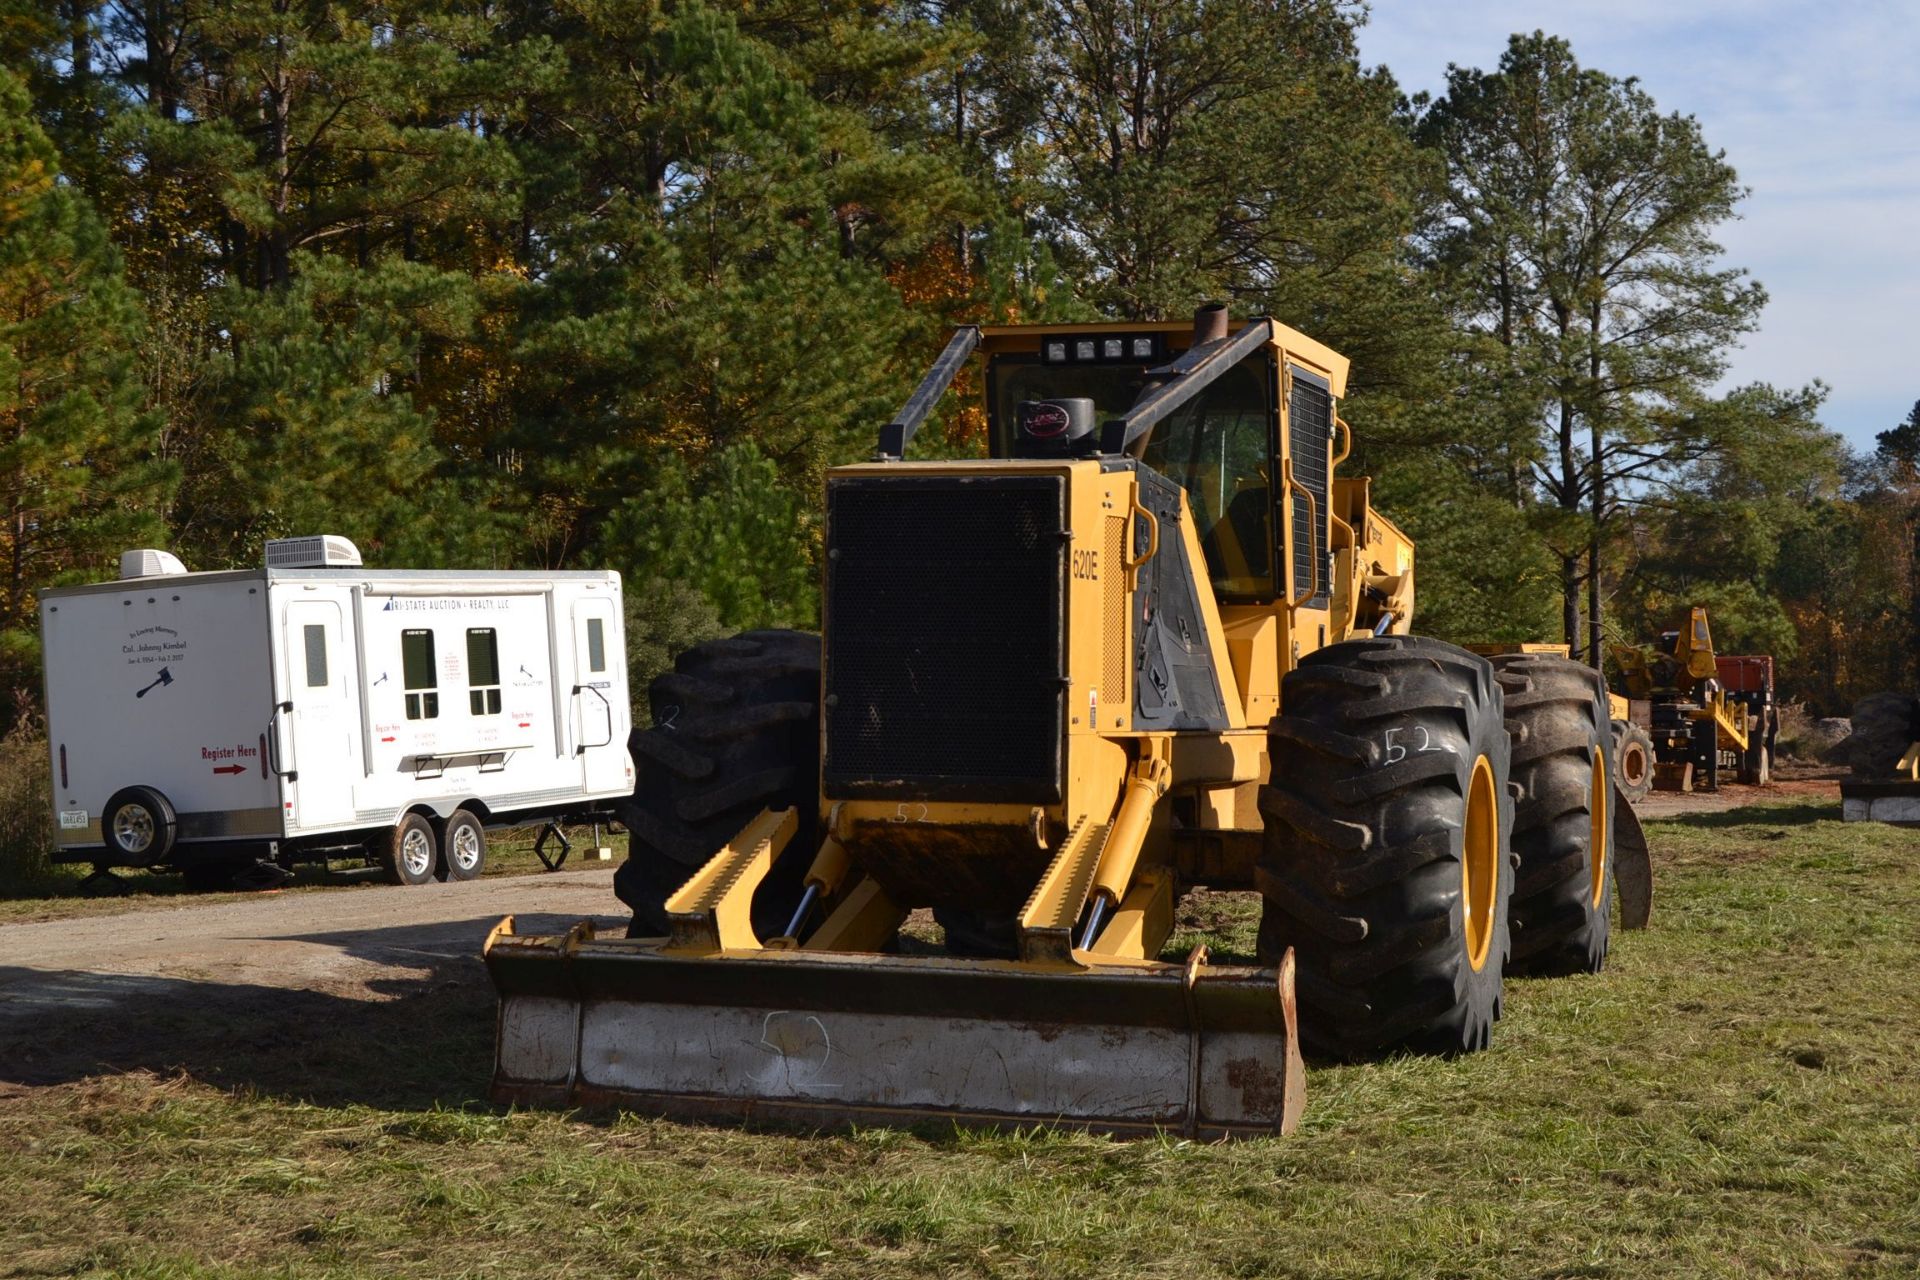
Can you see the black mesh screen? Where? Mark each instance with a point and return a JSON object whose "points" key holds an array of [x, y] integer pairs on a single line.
{"points": [[945, 676], [1311, 424]]}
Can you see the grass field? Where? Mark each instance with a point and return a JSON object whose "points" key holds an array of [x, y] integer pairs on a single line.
{"points": [[1738, 1095]]}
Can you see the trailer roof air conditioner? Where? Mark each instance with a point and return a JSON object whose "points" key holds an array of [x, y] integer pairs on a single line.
{"points": [[321, 551], [149, 563]]}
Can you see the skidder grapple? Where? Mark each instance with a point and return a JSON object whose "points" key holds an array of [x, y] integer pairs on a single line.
{"points": [[1154, 641]]}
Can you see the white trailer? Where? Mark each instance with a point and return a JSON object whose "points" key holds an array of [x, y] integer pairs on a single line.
{"points": [[210, 721]]}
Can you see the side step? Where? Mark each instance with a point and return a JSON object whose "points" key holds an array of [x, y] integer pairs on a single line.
{"points": [[830, 1039]]}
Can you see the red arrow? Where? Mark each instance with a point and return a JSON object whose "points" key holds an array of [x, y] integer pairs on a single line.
{"points": [[229, 768]]}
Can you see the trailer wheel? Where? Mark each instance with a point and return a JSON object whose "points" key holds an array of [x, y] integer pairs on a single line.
{"points": [[139, 826], [1563, 813], [409, 852], [736, 729], [1386, 864], [1632, 759], [463, 847]]}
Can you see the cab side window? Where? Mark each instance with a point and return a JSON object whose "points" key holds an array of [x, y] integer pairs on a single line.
{"points": [[1218, 447]]}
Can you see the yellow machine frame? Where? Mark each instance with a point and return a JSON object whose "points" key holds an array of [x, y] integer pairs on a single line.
{"points": [[1197, 1047]]}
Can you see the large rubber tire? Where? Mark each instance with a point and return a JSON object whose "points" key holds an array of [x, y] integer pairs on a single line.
{"points": [[736, 729], [1365, 870], [1883, 727], [1563, 808], [1632, 760]]}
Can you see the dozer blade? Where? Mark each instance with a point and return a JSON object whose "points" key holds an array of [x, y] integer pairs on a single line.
{"points": [[830, 1039]]}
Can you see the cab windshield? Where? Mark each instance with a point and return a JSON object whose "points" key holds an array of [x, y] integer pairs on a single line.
{"points": [[1217, 447], [1112, 388]]}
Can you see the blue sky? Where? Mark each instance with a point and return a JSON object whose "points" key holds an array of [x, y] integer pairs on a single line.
{"points": [[1817, 107]]}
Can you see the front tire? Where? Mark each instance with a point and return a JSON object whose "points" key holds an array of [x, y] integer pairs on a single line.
{"points": [[1386, 865], [1884, 725], [736, 729], [409, 852], [1563, 813]]}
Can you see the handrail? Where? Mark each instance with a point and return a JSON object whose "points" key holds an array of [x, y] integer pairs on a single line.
{"points": [[895, 435], [585, 747], [1313, 518], [1196, 369], [273, 744]]}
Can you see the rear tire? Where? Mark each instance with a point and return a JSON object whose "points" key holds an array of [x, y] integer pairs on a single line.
{"points": [[139, 827], [463, 847], [1632, 760], [736, 729], [1563, 886], [1386, 864]]}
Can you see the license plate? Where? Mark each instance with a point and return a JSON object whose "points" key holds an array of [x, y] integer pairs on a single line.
{"points": [[73, 819]]}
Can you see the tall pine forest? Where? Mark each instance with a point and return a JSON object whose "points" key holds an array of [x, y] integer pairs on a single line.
{"points": [[610, 283]]}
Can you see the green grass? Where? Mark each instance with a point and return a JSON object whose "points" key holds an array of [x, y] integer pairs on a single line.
{"points": [[1738, 1095]]}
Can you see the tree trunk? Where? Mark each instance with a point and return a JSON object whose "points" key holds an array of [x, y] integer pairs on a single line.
{"points": [[1569, 498], [1911, 666], [1570, 601], [1596, 649]]}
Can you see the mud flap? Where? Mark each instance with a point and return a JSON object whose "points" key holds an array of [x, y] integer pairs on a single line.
{"points": [[826, 1039], [1632, 866]]}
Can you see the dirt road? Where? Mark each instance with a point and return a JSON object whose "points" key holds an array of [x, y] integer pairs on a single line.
{"points": [[209, 988], [1795, 783]]}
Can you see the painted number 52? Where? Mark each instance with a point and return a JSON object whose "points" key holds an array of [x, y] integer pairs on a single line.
{"points": [[1396, 751]]}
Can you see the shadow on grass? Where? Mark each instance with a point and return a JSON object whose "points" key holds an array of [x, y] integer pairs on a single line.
{"points": [[418, 1037], [1754, 815]]}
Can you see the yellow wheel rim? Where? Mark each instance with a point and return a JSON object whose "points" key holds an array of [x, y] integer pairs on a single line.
{"points": [[1597, 813], [1480, 863]]}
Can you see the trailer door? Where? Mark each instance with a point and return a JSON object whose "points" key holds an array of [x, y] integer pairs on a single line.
{"points": [[322, 730], [594, 653]]}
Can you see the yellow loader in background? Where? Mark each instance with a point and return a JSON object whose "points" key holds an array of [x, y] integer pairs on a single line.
{"points": [[1155, 641]]}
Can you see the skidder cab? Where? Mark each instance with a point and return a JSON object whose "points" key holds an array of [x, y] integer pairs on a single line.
{"points": [[1153, 641]]}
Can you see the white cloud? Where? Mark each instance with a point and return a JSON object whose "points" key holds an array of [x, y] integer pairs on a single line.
{"points": [[1816, 108]]}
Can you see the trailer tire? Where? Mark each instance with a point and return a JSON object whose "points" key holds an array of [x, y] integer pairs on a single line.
{"points": [[139, 827], [1563, 806], [736, 729], [463, 847], [409, 852], [1632, 759], [1385, 864]]}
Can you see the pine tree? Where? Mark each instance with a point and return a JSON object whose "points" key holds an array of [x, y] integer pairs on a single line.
{"points": [[1574, 241], [78, 479]]}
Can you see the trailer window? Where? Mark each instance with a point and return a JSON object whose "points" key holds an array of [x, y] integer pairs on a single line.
{"points": [[316, 638], [483, 671], [596, 646], [416, 662]]}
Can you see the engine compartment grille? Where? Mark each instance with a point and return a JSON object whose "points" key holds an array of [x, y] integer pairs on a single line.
{"points": [[945, 637], [1310, 426]]}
